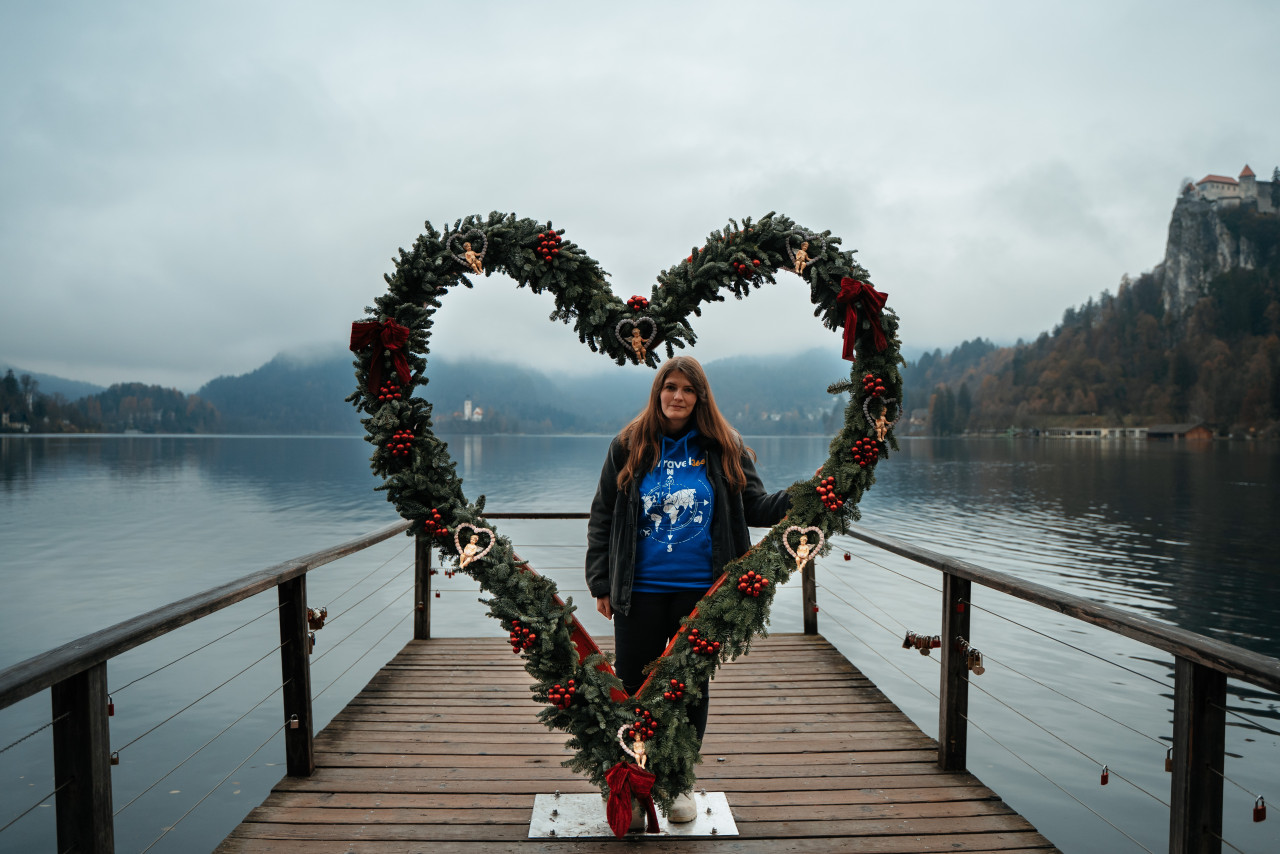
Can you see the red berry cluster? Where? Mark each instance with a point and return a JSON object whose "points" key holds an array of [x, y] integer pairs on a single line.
{"points": [[401, 443], [637, 303], [434, 525], [644, 728], [676, 692], [701, 645], [827, 492], [751, 584], [872, 385], [521, 637], [866, 451], [746, 271], [550, 245], [389, 391], [560, 696]]}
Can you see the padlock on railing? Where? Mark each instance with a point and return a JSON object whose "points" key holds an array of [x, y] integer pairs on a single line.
{"points": [[115, 758], [111, 707], [1259, 809], [1168, 761], [311, 642], [294, 723], [1106, 775]]}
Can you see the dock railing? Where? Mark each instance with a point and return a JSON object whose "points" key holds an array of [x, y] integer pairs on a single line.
{"points": [[76, 675]]}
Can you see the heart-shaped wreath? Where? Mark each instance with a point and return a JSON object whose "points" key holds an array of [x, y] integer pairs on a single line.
{"points": [[420, 479]]}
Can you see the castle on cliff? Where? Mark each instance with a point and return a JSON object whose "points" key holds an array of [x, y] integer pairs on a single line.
{"points": [[1233, 191]]}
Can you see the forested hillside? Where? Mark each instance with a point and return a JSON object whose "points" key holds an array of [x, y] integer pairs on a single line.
{"points": [[1123, 359]]}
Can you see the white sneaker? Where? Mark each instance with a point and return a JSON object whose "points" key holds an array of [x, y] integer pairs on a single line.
{"points": [[683, 810]]}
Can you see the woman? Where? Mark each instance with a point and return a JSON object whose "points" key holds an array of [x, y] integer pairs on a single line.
{"points": [[677, 492]]}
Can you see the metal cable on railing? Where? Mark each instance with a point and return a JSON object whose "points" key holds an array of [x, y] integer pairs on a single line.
{"points": [[370, 575], [1059, 738], [202, 747], [197, 649], [865, 559], [38, 803], [370, 595], [201, 697], [1226, 843], [35, 731], [215, 788], [1242, 716], [1159, 682], [354, 631], [872, 647], [1053, 783], [374, 646]]}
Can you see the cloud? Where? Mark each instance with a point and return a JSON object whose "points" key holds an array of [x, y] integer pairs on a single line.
{"points": [[186, 191]]}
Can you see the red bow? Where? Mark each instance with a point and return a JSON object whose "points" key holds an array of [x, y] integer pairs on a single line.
{"points": [[851, 293], [626, 780], [392, 336]]}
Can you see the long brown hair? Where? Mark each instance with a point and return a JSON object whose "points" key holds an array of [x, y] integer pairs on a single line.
{"points": [[643, 436]]}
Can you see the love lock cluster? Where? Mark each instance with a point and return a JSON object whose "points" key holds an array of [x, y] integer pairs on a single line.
{"points": [[872, 386], [316, 617], [389, 391], [521, 637], [751, 584], [866, 451], [561, 696], [972, 658], [701, 645], [676, 692], [644, 728], [549, 247], [637, 303], [401, 443], [826, 490], [922, 643]]}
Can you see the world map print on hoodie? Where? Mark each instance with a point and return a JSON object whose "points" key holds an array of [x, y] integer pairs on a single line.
{"points": [[673, 546]]}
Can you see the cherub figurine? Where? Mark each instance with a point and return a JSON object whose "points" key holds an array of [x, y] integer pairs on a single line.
{"points": [[473, 260], [802, 258], [641, 752], [469, 553], [637, 344], [802, 551], [882, 424]]}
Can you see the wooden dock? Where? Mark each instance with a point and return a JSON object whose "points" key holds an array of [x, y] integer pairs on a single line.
{"points": [[441, 752]]}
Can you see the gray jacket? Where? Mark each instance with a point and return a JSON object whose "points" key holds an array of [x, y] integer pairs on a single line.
{"points": [[615, 516]]}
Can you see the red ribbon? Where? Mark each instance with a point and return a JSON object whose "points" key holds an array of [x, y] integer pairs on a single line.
{"points": [[853, 292], [392, 336], [626, 780]]}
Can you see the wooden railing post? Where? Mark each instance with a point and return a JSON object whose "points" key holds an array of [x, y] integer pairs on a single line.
{"points": [[1199, 740], [295, 667], [82, 762], [953, 694], [422, 587], [809, 593]]}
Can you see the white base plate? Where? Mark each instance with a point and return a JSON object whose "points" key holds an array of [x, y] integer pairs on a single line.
{"points": [[582, 817]]}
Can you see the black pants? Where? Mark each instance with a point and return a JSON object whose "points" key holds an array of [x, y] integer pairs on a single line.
{"points": [[641, 636]]}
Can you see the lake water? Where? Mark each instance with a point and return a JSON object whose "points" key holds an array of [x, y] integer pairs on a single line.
{"points": [[94, 530]]}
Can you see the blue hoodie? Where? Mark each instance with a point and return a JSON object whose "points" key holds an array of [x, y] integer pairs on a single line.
{"points": [[673, 543]]}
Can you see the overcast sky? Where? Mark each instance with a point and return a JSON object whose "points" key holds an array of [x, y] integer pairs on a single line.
{"points": [[188, 189]]}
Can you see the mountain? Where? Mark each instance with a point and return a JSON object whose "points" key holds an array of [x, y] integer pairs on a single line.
{"points": [[1197, 339], [54, 385], [294, 395]]}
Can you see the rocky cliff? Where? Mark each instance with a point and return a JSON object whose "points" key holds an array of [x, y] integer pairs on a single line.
{"points": [[1200, 247]]}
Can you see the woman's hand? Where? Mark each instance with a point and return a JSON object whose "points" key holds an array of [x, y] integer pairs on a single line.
{"points": [[604, 607]]}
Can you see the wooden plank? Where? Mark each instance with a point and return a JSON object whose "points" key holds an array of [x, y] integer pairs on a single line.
{"points": [[409, 767]]}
